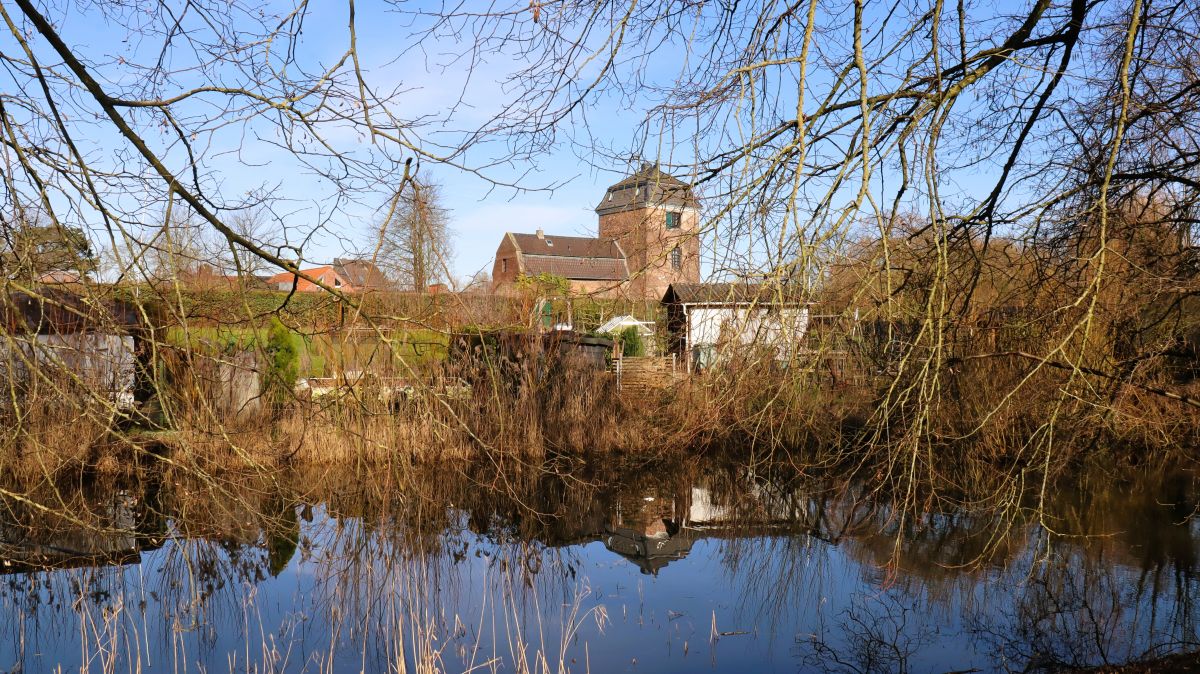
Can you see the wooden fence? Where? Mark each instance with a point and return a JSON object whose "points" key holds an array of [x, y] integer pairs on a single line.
{"points": [[646, 374]]}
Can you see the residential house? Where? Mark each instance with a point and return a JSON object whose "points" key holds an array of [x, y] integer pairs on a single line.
{"points": [[205, 277], [61, 277], [360, 274], [346, 275]]}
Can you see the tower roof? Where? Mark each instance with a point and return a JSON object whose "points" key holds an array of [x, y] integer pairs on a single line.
{"points": [[649, 186]]}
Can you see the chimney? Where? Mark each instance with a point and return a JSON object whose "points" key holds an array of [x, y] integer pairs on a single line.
{"points": [[541, 234]]}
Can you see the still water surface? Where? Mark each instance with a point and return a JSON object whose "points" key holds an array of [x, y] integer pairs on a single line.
{"points": [[713, 567]]}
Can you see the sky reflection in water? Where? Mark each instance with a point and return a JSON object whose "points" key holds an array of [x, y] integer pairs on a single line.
{"points": [[719, 570]]}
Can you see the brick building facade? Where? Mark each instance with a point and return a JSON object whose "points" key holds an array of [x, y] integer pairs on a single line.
{"points": [[595, 266], [648, 239]]}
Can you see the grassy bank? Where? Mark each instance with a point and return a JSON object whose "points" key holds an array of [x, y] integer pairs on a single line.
{"points": [[957, 412], [973, 443]]}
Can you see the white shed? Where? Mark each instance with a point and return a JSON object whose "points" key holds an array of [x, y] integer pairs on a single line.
{"points": [[708, 320]]}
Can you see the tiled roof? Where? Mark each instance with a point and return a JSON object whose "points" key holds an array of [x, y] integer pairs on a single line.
{"points": [[648, 185], [730, 293], [567, 246], [304, 285], [360, 273], [578, 268]]}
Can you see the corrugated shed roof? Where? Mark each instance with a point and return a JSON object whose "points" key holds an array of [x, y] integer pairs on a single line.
{"points": [[567, 246], [578, 268], [730, 293], [649, 185], [51, 311]]}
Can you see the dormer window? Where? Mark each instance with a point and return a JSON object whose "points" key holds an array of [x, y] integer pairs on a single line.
{"points": [[549, 243], [672, 220]]}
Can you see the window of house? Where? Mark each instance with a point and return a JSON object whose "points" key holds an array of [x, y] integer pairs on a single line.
{"points": [[676, 258], [672, 220], [337, 282], [504, 265]]}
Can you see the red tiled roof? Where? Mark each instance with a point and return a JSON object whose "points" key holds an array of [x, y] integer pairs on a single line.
{"points": [[304, 285]]}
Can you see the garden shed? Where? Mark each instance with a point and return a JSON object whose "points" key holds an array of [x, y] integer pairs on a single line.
{"points": [[79, 340], [709, 321]]}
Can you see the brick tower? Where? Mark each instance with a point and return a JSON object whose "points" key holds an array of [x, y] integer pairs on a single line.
{"points": [[655, 218]]}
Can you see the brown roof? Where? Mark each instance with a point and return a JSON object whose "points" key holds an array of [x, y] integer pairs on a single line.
{"points": [[649, 185], [567, 246], [579, 268], [360, 273], [52, 311], [574, 257], [731, 293]]}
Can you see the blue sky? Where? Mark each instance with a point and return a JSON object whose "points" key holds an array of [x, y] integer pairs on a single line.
{"points": [[450, 97], [242, 159]]}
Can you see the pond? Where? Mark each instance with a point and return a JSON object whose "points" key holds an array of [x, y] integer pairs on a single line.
{"points": [[725, 566]]}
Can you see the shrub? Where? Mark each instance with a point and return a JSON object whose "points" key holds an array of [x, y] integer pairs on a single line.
{"points": [[631, 342], [283, 362]]}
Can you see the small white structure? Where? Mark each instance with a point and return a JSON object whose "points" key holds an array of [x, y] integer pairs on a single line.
{"points": [[619, 324], [708, 320]]}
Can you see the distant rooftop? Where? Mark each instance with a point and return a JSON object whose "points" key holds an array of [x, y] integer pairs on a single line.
{"points": [[360, 273], [567, 246], [573, 257]]}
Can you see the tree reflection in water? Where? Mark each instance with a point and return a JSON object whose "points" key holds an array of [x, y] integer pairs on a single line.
{"points": [[757, 568]]}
